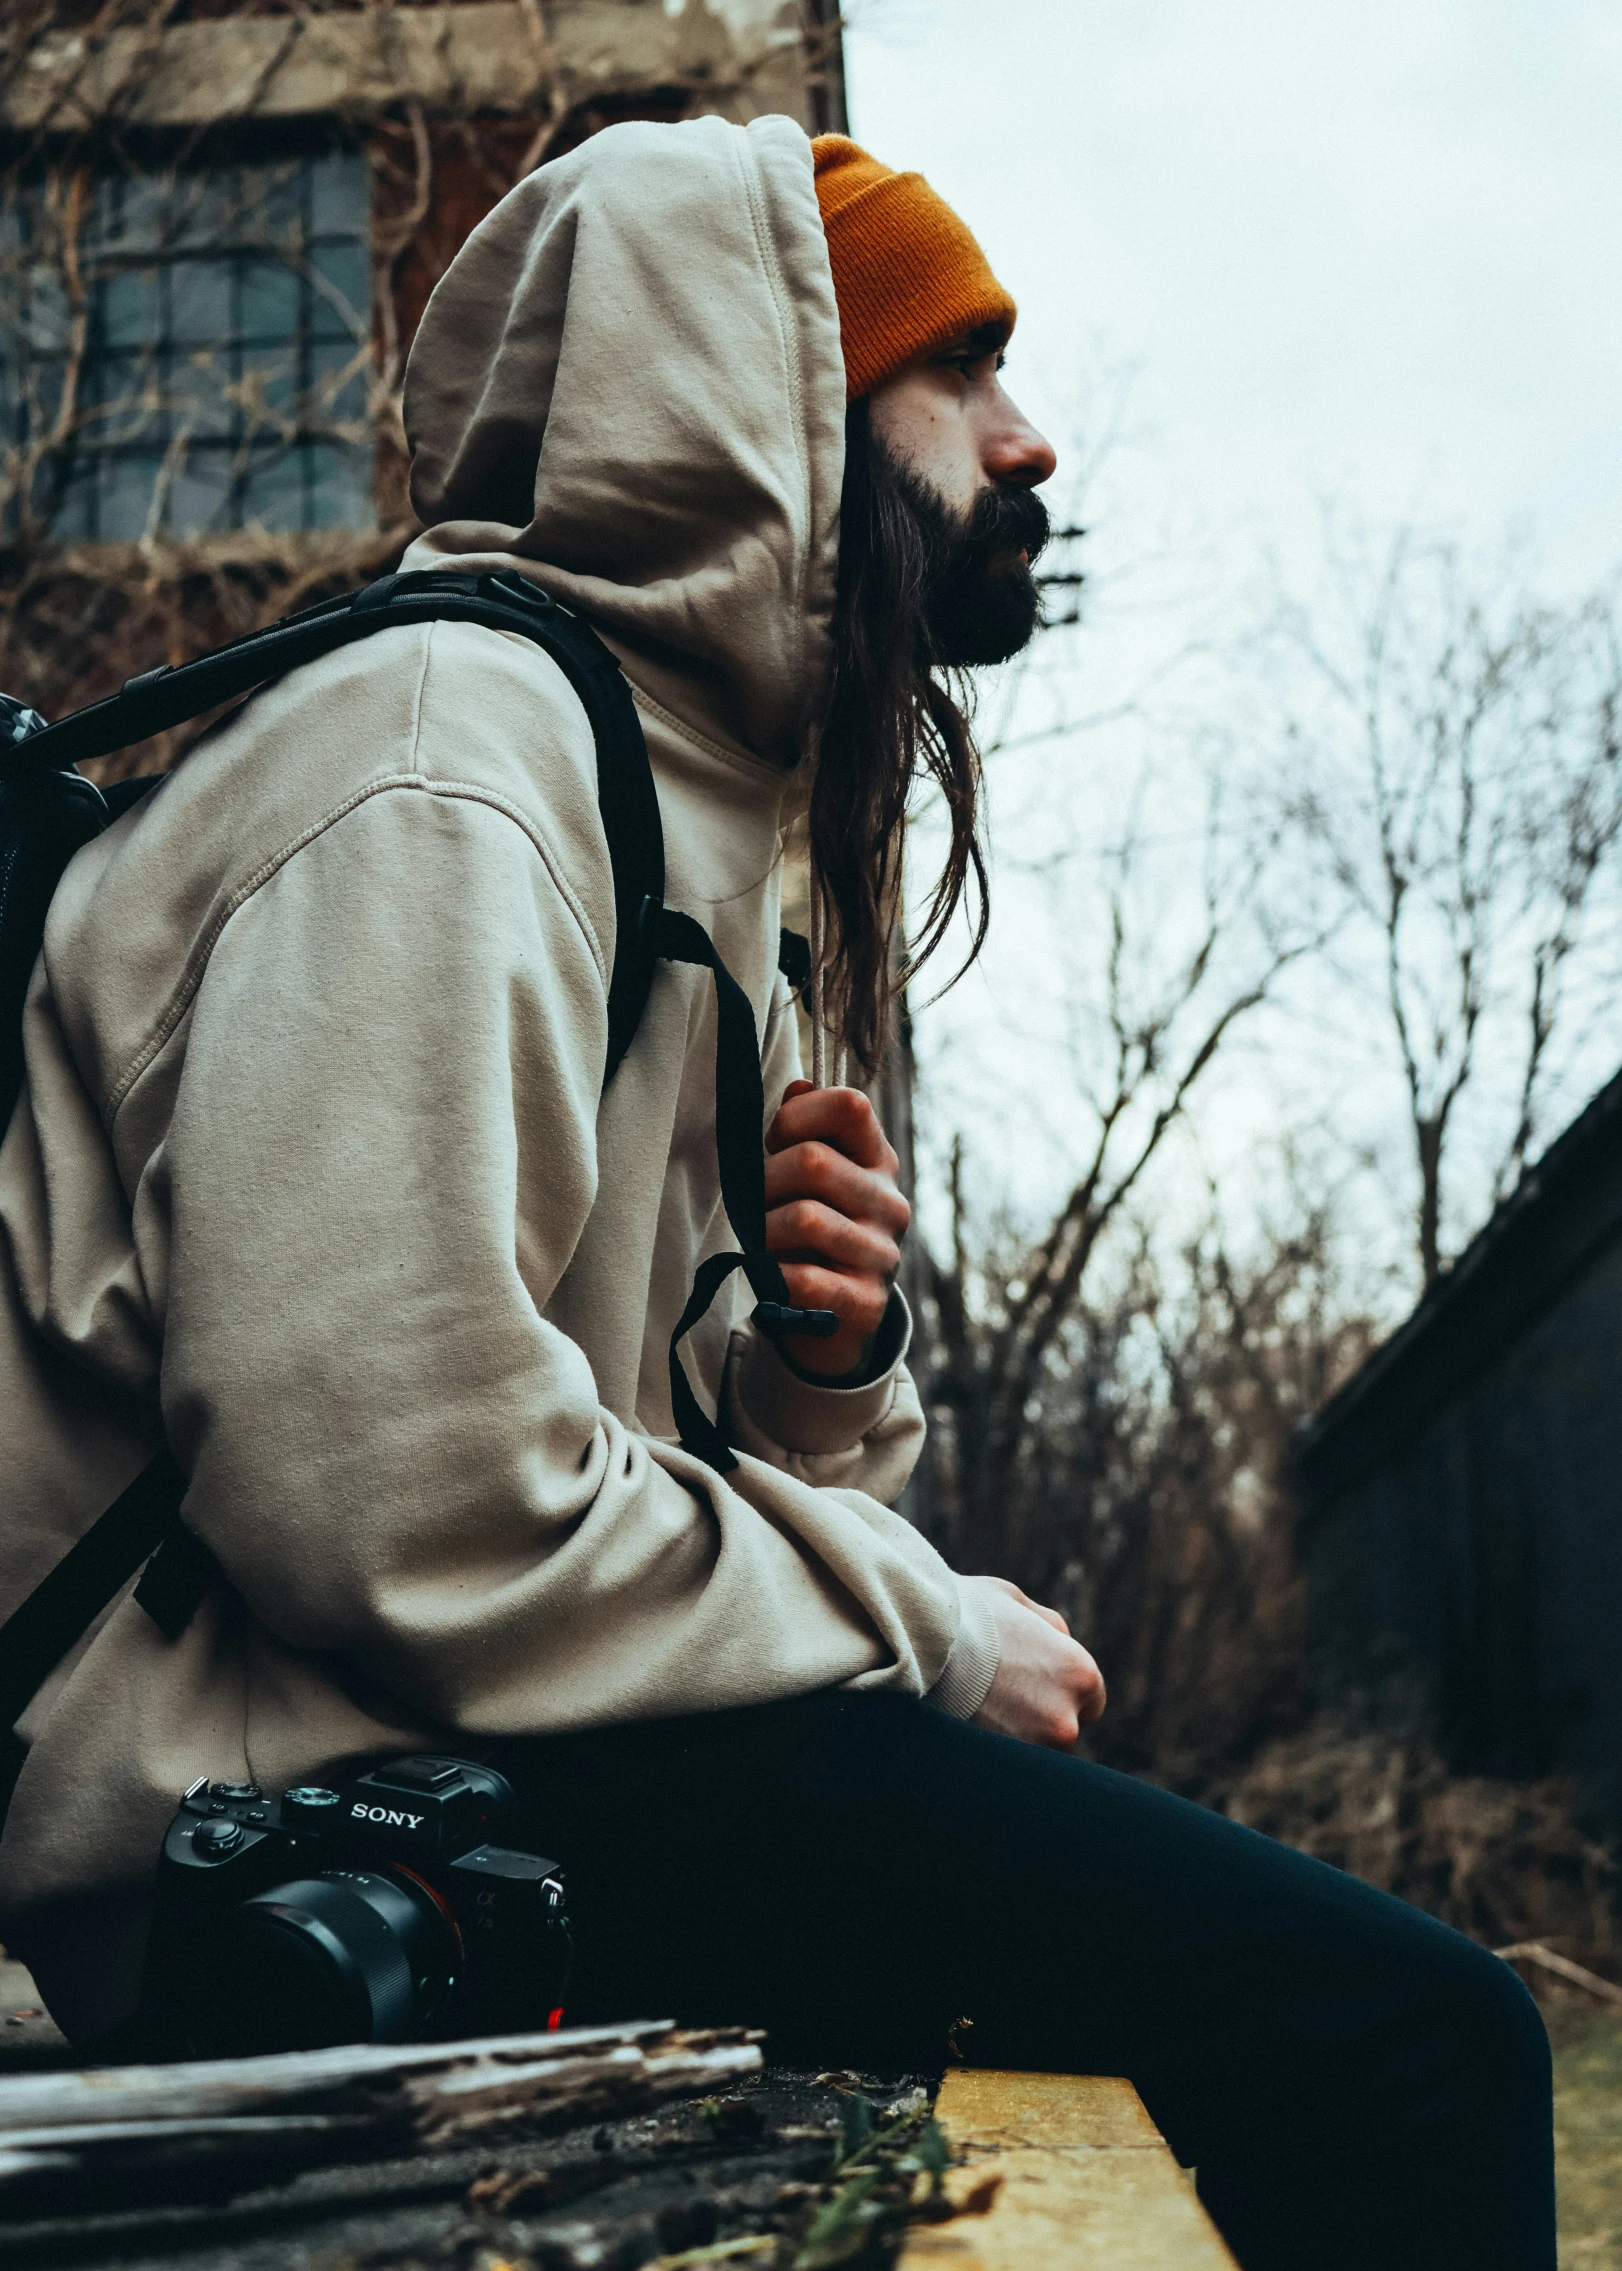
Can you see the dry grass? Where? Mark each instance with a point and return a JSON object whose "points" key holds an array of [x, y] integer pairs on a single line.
{"points": [[1503, 1861], [1587, 2130]]}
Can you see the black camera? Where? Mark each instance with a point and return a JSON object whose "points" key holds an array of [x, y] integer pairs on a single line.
{"points": [[378, 1912]]}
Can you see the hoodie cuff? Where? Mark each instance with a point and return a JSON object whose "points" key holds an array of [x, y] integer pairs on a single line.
{"points": [[972, 1665], [803, 1414]]}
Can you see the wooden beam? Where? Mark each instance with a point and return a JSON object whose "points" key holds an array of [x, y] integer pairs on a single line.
{"points": [[1062, 2171], [213, 2126]]}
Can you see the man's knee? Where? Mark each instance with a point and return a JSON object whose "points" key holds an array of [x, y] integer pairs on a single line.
{"points": [[1492, 2028], [1514, 2020]]}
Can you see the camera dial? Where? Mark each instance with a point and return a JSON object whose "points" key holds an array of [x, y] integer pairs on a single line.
{"points": [[310, 1808]]}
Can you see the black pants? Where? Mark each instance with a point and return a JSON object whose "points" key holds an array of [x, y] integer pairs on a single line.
{"points": [[1356, 2084]]}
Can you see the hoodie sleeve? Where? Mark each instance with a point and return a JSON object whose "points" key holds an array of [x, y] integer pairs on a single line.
{"points": [[380, 1159]]}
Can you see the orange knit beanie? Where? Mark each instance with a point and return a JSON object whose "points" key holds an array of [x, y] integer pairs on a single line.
{"points": [[908, 276]]}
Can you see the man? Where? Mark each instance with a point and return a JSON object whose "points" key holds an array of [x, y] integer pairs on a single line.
{"points": [[313, 1168]]}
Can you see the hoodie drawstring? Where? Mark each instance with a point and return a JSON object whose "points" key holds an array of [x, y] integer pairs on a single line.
{"points": [[819, 1030]]}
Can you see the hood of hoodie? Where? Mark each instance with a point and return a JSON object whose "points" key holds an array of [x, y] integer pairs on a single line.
{"points": [[629, 384]]}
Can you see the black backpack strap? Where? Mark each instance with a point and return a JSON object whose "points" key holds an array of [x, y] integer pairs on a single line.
{"points": [[159, 699], [740, 1118], [35, 1638]]}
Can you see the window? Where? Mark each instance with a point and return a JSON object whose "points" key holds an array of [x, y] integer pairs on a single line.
{"points": [[192, 351]]}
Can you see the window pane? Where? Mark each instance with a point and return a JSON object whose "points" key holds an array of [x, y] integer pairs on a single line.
{"points": [[199, 498], [127, 215], [231, 310], [131, 308], [122, 399], [274, 492], [47, 319], [197, 389], [339, 194], [127, 484], [270, 301], [74, 516], [32, 388], [340, 291], [200, 301], [122, 402], [271, 205], [203, 206], [340, 486], [269, 388], [337, 395]]}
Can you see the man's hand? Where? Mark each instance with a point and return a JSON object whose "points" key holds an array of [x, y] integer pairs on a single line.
{"points": [[1047, 1687], [834, 1218]]}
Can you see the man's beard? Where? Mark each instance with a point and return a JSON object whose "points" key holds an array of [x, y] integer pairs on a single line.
{"points": [[981, 602]]}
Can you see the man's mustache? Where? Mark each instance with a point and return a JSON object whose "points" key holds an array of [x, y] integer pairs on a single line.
{"points": [[1006, 520]]}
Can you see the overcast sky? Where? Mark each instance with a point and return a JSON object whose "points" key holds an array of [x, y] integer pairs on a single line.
{"points": [[1368, 254], [1371, 248]]}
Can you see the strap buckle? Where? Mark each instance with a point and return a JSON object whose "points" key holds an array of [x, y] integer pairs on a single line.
{"points": [[775, 1318]]}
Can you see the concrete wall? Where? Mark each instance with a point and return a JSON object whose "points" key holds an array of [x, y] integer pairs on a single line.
{"points": [[740, 57]]}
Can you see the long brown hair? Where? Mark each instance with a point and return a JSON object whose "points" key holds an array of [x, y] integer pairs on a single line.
{"points": [[896, 717]]}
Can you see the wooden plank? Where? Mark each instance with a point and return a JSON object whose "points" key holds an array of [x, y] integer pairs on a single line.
{"points": [[303, 2079], [1086, 2178], [221, 2125]]}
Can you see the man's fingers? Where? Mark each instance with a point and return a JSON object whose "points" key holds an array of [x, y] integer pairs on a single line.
{"points": [[858, 1302], [1048, 1616], [842, 1117], [815, 1233], [1046, 1687], [815, 1171]]}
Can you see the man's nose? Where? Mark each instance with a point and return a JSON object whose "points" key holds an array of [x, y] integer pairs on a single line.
{"points": [[1013, 451]]}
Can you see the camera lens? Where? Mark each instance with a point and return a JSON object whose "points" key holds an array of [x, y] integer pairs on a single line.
{"points": [[348, 1956]]}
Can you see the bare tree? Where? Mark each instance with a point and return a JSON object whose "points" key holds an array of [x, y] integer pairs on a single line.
{"points": [[1454, 771], [1164, 1011], [1151, 1497]]}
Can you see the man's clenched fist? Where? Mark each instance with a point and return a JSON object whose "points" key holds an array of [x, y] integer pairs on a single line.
{"points": [[1047, 1687], [834, 1218]]}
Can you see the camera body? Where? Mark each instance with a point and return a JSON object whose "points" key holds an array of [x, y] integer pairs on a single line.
{"points": [[377, 1911]]}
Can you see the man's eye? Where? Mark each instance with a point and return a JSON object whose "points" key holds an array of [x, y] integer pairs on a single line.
{"points": [[974, 367]]}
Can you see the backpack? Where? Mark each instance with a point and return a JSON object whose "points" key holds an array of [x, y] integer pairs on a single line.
{"points": [[48, 811]]}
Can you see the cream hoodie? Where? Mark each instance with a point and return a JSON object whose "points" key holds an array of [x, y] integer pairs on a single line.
{"points": [[312, 1160]]}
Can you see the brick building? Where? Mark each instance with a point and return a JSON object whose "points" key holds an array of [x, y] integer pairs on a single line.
{"points": [[218, 227]]}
